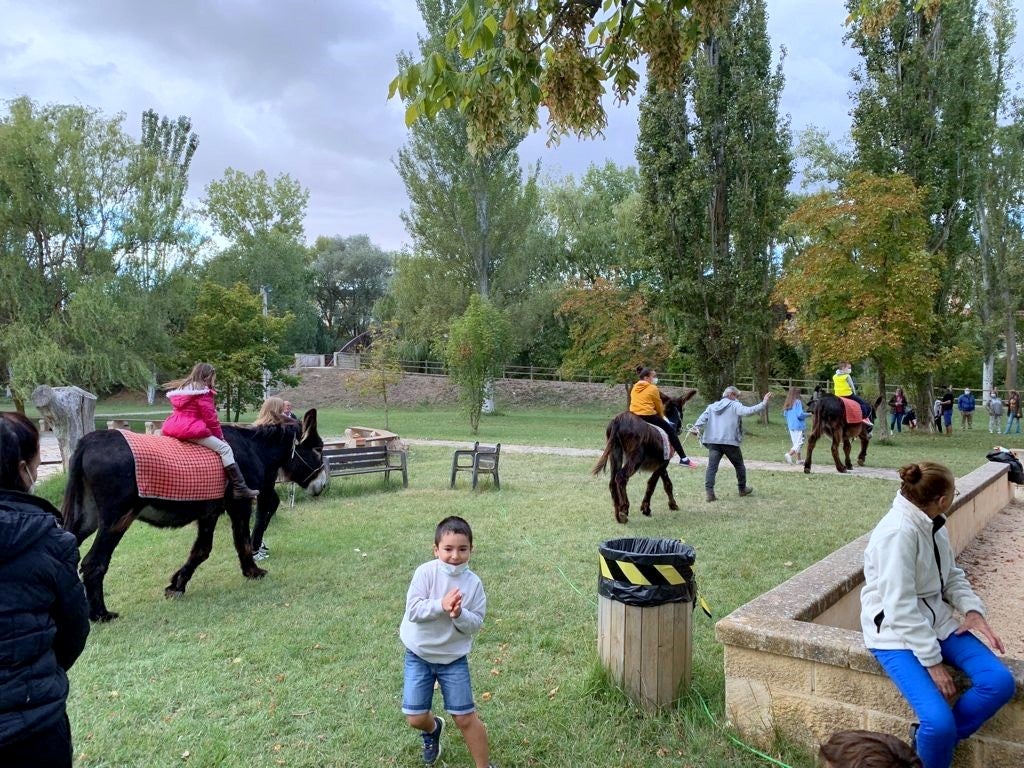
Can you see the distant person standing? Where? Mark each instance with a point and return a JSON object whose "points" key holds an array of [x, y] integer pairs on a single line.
{"points": [[947, 409], [994, 406], [966, 404], [723, 433], [937, 415], [897, 407], [1013, 411]]}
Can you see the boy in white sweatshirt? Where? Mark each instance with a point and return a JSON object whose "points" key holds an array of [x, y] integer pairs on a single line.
{"points": [[444, 609]]}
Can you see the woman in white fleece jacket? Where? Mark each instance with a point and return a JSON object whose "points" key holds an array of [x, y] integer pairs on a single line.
{"points": [[911, 588]]}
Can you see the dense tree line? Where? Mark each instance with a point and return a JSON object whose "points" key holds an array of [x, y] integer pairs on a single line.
{"points": [[905, 254]]}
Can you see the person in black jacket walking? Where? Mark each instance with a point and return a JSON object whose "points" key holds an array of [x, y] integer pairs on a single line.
{"points": [[44, 615]]}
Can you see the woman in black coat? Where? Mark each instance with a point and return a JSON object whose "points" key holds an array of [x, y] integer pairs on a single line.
{"points": [[44, 616]]}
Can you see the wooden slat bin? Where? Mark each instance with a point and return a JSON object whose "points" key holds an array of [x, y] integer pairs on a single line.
{"points": [[645, 618]]}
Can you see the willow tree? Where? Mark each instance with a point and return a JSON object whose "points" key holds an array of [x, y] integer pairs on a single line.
{"points": [[714, 164]]}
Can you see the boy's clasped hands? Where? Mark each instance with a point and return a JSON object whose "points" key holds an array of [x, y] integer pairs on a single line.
{"points": [[452, 602]]}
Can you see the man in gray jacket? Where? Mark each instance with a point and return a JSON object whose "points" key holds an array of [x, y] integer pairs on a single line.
{"points": [[723, 433]]}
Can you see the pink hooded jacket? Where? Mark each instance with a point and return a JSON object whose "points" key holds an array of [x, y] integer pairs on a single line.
{"points": [[195, 415]]}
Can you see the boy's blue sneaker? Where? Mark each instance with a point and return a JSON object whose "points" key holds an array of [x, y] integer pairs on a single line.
{"points": [[432, 742]]}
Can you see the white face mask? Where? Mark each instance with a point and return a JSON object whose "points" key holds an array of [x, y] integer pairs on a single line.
{"points": [[453, 570], [654, 380]]}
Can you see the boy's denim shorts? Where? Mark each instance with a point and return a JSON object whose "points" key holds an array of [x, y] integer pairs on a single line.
{"points": [[418, 690]]}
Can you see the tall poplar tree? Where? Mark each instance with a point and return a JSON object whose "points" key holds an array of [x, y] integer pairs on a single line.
{"points": [[469, 216], [918, 112], [714, 164]]}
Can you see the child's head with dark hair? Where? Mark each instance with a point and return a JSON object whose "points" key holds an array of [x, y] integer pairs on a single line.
{"points": [[19, 451], [643, 371], [867, 749], [455, 525]]}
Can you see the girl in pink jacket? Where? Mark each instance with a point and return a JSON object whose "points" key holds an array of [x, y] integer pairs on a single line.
{"points": [[195, 419]]}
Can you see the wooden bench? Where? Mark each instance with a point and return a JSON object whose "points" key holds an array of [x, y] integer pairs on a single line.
{"points": [[480, 459], [341, 462]]}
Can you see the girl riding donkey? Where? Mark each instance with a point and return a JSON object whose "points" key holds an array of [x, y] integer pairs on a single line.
{"points": [[645, 402], [195, 420]]}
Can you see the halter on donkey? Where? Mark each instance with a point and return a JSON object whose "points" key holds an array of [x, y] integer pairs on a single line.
{"points": [[104, 495], [632, 444]]}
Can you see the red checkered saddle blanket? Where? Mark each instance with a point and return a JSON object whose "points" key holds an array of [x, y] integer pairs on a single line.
{"points": [[854, 415], [166, 468]]}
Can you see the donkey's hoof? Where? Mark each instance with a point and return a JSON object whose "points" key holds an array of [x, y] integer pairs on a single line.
{"points": [[645, 511], [254, 573], [622, 517], [673, 506], [173, 594], [103, 617], [807, 470]]}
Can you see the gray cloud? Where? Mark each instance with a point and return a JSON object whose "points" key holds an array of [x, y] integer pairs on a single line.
{"points": [[300, 87]]}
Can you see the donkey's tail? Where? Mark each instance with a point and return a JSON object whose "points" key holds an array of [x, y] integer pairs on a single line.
{"points": [[74, 496], [603, 461]]}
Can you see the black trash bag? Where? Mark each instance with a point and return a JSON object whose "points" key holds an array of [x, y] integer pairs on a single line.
{"points": [[666, 565], [1005, 457]]}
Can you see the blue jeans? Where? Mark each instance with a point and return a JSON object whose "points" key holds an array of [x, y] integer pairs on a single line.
{"points": [[1010, 421], [943, 726], [896, 422], [418, 689]]}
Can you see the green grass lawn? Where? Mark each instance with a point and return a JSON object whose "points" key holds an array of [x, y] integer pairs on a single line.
{"points": [[303, 668]]}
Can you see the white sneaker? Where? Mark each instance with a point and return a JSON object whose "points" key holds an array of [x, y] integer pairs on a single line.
{"points": [[789, 458]]}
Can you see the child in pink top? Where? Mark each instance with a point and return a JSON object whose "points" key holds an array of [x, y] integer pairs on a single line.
{"points": [[195, 419]]}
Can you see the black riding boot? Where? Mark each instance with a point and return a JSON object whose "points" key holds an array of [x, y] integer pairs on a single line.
{"points": [[238, 487]]}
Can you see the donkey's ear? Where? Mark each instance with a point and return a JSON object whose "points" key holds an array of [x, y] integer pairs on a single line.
{"points": [[308, 425]]}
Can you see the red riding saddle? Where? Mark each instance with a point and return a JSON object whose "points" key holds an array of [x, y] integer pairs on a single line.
{"points": [[854, 414]]}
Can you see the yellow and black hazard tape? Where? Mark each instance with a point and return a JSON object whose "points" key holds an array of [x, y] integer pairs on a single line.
{"points": [[649, 575], [642, 575]]}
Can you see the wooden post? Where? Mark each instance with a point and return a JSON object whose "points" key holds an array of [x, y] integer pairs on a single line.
{"points": [[647, 651], [70, 411]]}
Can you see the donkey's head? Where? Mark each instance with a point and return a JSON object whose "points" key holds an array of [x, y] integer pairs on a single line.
{"points": [[306, 464]]}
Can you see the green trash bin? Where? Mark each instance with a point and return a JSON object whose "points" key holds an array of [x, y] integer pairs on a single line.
{"points": [[646, 595]]}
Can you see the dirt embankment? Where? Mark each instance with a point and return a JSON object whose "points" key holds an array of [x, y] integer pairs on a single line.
{"points": [[323, 387]]}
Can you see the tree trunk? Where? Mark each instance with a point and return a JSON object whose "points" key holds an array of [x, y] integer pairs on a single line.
{"points": [[883, 408], [70, 411], [1011, 350]]}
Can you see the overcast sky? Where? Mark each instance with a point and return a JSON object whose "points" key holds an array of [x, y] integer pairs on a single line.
{"points": [[300, 87]]}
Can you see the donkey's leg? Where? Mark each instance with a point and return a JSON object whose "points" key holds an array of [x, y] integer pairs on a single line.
{"points": [[863, 449], [810, 450], [622, 510], [613, 488], [266, 506], [200, 552], [847, 445], [835, 452], [239, 511], [652, 483], [663, 475], [96, 563]]}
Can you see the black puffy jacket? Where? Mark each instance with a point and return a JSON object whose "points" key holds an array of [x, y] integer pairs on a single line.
{"points": [[44, 616]]}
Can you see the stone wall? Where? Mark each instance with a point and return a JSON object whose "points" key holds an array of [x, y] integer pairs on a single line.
{"points": [[795, 661]]}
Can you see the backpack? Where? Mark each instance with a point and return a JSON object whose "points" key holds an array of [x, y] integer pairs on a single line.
{"points": [[1005, 457]]}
